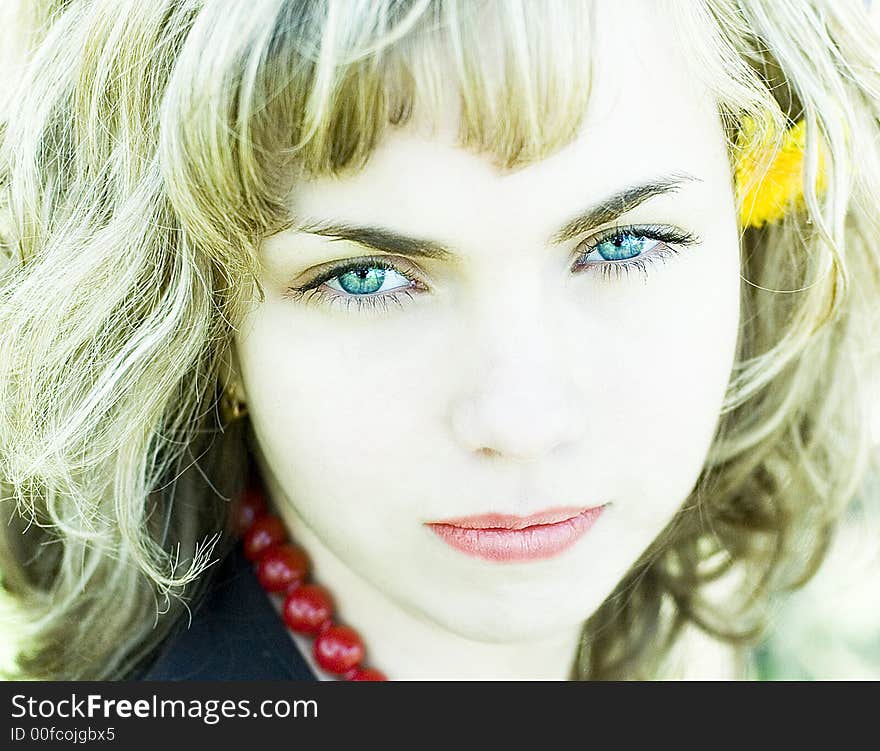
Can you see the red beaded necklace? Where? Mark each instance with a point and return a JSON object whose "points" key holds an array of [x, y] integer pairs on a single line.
{"points": [[282, 569]]}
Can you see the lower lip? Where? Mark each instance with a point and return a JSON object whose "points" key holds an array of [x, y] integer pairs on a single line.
{"points": [[526, 544]]}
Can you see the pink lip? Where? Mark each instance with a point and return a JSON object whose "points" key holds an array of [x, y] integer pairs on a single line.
{"points": [[503, 537]]}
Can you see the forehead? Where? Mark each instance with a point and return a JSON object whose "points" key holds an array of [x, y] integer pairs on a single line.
{"points": [[648, 116]]}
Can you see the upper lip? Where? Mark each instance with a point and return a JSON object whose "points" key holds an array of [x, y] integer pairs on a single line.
{"points": [[511, 521]]}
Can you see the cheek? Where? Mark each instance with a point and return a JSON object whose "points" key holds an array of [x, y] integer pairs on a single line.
{"points": [[334, 403], [667, 350]]}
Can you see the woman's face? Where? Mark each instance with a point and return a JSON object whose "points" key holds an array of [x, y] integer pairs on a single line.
{"points": [[501, 360]]}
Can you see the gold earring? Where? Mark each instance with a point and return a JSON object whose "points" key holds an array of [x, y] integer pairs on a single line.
{"points": [[232, 407]]}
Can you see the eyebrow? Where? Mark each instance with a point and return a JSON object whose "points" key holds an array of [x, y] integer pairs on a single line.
{"points": [[609, 209], [619, 204]]}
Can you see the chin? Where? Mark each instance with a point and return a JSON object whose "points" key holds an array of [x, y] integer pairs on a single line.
{"points": [[507, 625]]}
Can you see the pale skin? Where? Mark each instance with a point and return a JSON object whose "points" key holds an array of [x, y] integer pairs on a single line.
{"points": [[508, 379]]}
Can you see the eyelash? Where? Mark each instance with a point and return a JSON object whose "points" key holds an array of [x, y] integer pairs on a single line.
{"points": [[666, 236]]}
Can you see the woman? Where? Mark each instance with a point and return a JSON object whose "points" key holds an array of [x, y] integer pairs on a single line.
{"points": [[542, 325]]}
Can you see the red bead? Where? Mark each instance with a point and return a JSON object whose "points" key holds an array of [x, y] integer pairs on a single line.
{"points": [[249, 508], [365, 674], [308, 609], [280, 566], [339, 649], [265, 532]]}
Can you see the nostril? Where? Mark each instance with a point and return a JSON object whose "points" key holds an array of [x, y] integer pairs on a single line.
{"points": [[486, 451]]}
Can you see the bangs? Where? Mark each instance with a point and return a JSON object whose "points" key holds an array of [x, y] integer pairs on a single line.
{"points": [[262, 93], [515, 75]]}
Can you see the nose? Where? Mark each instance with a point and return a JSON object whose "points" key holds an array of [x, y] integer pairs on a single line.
{"points": [[523, 405]]}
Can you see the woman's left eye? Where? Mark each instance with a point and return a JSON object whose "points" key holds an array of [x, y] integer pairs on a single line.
{"points": [[625, 246], [622, 249]]}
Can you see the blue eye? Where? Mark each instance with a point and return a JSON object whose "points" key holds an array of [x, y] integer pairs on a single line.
{"points": [[623, 246], [366, 280], [623, 249], [368, 283]]}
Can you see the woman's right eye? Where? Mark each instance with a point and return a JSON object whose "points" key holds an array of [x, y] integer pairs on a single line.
{"points": [[366, 283], [367, 279]]}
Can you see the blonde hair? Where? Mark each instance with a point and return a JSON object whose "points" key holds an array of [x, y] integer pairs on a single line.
{"points": [[150, 149]]}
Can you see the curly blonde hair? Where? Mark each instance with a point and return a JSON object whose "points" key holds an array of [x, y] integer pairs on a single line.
{"points": [[152, 146]]}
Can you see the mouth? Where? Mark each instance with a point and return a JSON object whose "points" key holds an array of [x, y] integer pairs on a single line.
{"points": [[504, 537]]}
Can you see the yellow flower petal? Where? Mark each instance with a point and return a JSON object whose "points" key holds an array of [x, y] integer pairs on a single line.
{"points": [[766, 196]]}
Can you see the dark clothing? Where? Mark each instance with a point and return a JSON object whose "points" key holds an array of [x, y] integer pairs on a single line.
{"points": [[235, 635]]}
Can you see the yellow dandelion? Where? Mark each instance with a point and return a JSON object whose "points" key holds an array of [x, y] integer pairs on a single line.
{"points": [[766, 196]]}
